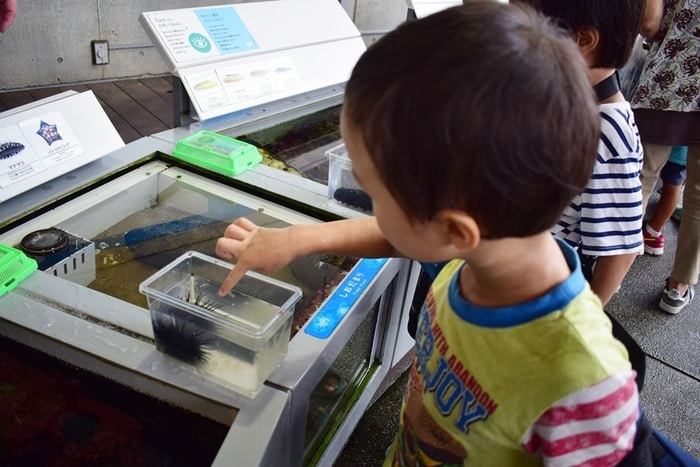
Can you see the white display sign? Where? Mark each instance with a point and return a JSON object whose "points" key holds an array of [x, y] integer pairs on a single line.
{"points": [[35, 145], [234, 57], [423, 8], [44, 141]]}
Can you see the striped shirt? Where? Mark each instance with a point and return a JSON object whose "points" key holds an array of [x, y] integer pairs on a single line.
{"points": [[606, 218], [594, 426]]}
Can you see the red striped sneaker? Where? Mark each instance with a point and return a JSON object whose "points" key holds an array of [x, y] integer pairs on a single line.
{"points": [[653, 245]]}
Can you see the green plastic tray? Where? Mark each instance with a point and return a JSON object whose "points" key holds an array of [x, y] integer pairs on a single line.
{"points": [[217, 152], [15, 266]]}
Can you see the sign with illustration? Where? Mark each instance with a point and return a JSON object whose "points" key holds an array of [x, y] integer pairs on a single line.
{"points": [[235, 57], [51, 137], [35, 145], [194, 34], [236, 83]]}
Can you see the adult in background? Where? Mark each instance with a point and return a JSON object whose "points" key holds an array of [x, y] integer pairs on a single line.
{"points": [[8, 11], [667, 110]]}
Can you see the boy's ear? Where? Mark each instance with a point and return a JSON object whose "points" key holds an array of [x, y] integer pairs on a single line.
{"points": [[587, 40], [461, 229]]}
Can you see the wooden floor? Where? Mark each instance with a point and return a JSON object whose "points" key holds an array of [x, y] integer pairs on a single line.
{"points": [[136, 107]]}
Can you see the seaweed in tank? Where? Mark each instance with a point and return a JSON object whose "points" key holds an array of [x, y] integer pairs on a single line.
{"points": [[294, 137]]}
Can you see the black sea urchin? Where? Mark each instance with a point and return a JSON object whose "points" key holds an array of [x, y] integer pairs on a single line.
{"points": [[182, 340]]}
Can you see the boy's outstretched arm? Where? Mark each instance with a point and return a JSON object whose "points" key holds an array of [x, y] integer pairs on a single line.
{"points": [[267, 250]]}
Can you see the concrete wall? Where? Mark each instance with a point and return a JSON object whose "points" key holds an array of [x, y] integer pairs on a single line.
{"points": [[50, 41]]}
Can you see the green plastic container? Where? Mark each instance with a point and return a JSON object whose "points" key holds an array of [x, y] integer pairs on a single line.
{"points": [[15, 266], [217, 152]]}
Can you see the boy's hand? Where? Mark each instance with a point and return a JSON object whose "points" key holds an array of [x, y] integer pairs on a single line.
{"points": [[255, 248]]}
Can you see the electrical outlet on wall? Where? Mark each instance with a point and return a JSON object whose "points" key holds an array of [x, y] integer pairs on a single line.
{"points": [[100, 52]]}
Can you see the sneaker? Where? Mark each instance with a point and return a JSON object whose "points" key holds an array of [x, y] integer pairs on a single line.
{"points": [[653, 245], [672, 301]]}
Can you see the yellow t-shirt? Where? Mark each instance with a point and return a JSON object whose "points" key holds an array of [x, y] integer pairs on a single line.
{"points": [[482, 376]]}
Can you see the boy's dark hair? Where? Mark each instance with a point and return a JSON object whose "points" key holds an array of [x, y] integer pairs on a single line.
{"points": [[618, 23], [484, 108]]}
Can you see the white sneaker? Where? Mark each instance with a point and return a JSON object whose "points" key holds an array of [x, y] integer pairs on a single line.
{"points": [[672, 301]]}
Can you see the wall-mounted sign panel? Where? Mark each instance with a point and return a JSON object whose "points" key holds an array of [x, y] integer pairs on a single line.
{"points": [[234, 57], [46, 140], [423, 8]]}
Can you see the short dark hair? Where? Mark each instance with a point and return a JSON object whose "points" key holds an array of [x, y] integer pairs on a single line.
{"points": [[618, 23], [485, 108]]}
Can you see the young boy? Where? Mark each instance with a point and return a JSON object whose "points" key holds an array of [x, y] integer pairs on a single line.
{"points": [[604, 221], [471, 130]]}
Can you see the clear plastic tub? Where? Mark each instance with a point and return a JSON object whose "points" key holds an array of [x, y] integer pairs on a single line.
{"points": [[342, 185], [237, 340]]}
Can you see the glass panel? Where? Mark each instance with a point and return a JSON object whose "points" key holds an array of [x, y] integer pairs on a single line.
{"points": [[166, 221], [54, 414], [138, 246], [299, 146], [181, 218], [332, 396]]}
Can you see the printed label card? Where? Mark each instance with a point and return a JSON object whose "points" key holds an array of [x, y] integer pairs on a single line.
{"points": [[35, 145]]}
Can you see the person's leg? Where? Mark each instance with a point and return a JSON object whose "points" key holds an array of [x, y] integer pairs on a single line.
{"points": [[668, 201], [655, 157], [687, 260], [678, 212], [673, 176]]}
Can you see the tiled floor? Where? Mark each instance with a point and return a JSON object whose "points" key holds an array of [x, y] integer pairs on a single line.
{"points": [[671, 395]]}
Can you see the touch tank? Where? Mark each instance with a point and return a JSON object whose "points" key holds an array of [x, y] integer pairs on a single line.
{"points": [[124, 231], [81, 331]]}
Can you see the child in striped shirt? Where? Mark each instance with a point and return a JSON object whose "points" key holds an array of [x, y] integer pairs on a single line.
{"points": [[604, 221]]}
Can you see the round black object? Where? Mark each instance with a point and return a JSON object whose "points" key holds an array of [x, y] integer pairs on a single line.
{"points": [[44, 242]]}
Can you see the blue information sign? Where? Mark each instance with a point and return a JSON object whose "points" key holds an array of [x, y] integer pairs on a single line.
{"points": [[343, 298], [226, 29]]}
